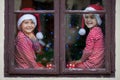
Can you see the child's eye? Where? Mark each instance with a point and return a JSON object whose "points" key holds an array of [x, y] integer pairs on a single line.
{"points": [[92, 17], [86, 17], [32, 22]]}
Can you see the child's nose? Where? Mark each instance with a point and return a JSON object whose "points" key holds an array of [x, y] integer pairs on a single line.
{"points": [[89, 19], [30, 24]]}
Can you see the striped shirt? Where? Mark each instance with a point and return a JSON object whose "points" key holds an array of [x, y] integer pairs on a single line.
{"points": [[25, 56], [93, 54]]}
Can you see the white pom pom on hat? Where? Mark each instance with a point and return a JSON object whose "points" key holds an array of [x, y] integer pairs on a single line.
{"points": [[93, 7], [39, 35], [82, 31]]}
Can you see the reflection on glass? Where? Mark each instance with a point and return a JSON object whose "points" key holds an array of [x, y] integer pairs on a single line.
{"points": [[47, 23], [84, 51], [81, 4], [35, 4], [74, 42], [35, 41]]}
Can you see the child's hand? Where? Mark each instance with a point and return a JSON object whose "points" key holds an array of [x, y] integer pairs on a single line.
{"points": [[72, 62], [78, 61], [75, 62]]}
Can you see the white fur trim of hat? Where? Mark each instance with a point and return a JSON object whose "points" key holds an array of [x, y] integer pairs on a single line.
{"points": [[26, 17]]}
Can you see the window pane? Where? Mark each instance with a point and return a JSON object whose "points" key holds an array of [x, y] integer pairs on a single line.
{"points": [[81, 4], [36, 4], [33, 47], [87, 49], [47, 23], [74, 42]]}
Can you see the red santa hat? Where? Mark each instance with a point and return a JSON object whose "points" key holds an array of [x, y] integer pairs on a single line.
{"points": [[26, 17], [35, 18], [93, 7]]}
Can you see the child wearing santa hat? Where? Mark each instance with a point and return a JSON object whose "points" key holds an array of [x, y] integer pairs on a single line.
{"points": [[93, 53], [26, 43]]}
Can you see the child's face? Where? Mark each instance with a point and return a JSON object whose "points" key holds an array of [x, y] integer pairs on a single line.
{"points": [[90, 20], [27, 26]]}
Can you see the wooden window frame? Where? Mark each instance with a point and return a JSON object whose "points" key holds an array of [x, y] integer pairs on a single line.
{"points": [[10, 68], [60, 70], [110, 34]]}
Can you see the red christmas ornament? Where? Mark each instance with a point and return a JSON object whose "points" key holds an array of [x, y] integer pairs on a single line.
{"points": [[71, 65], [49, 65]]}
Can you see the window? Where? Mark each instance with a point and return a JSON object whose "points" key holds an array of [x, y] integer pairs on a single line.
{"points": [[60, 22]]}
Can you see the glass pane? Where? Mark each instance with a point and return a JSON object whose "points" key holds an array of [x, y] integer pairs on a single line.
{"points": [[81, 4], [74, 42], [47, 23], [35, 4], [34, 45], [84, 50]]}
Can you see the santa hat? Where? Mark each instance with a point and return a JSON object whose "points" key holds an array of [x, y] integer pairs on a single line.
{"points": [[93, 7], [36, 20], [26, 17]]}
